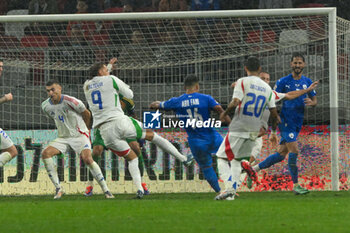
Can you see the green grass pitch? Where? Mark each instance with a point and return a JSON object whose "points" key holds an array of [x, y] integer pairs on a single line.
{"points": [[181, 213]]}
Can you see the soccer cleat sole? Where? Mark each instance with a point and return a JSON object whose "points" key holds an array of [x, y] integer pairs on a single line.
{"points": [[249, 170]]}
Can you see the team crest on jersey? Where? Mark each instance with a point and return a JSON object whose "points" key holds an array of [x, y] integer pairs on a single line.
{"points": [[151, 120], [304, 86], [291, 135], [52, 113]]}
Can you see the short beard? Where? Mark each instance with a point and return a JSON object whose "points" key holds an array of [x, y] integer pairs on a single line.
{"points": [[297, 73]]}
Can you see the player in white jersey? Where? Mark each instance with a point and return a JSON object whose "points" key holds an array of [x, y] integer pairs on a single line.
{"points": [[250, 98], [102, 92], [72, 120], [8, 150], [225, 167]]}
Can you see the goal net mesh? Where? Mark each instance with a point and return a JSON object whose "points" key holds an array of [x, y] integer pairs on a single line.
{"points": [[154, 57]]}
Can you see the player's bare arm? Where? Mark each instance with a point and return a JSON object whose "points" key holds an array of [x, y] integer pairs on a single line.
{"points": [[230, 109], [220, 110], [6, 98], [275, 121], [310, 101], [87, 118], [295, 94], [154, 105]]}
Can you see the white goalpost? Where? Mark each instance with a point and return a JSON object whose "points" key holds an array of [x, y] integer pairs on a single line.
{"points": [[155, 51]]}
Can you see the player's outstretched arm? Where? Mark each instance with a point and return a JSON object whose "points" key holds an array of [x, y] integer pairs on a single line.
{"points": [[311, 101], [111, 63], [220, 110], [87, 118], [155, 105], [6, 98], [230, 109], [275, 121], [295, 94]]}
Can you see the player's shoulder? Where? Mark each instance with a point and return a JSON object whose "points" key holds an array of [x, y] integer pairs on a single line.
{"points": [[70, 99], [285, 78], [45, 103]]}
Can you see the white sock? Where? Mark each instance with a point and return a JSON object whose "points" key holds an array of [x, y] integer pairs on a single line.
{"points": [[4, 158], [168, 147], [236, 170], [225, 173], [135, 173], [256, 167], [52, 172], [97, 174]]}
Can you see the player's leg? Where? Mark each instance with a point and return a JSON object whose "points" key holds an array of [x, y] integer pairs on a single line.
{"points": [[201, 152], [133, 166], [135, 146], [53, 149], [293, 168], [167, 147], [114, 134], [272, 159], [95, 171], [8, 150], [97, 151]]}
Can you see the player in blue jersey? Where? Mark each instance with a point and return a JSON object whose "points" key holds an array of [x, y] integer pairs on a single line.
{"points": [[292, 116], [202, 141]]}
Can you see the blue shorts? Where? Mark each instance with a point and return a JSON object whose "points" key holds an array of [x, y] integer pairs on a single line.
{"points": [[202, 149], [288, 133]]}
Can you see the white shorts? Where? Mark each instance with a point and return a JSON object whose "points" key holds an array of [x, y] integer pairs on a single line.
{"points": [[5, 140], [115, 132], [257, 147], [77, 144], [235, 148]]}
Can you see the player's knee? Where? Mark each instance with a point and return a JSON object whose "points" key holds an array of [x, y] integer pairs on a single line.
{"points": [[97, 151], [149, 135], [13, 151]]}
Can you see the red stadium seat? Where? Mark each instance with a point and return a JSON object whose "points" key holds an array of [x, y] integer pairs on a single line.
{"points": [[261, 36], [35, 41]]}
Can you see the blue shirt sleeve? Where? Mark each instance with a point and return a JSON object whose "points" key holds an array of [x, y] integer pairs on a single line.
{"points": [[313, 92], [170, 104], [279, 87]]}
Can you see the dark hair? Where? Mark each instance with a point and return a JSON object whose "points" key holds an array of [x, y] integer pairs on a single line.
{"points": [[93, 71], [252, 63], [52, 82], [191, 80], [297, 54]]}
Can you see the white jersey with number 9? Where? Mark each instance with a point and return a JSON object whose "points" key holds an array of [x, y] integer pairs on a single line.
{"points": [[102, 94]]}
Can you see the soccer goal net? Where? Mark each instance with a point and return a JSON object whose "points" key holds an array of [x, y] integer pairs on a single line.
{"points": [[155, 52]]}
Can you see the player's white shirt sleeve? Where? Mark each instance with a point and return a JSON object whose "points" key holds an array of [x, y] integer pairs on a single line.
{"points": [[124, 89], [271, 103], [279, 96], [238, 92]]}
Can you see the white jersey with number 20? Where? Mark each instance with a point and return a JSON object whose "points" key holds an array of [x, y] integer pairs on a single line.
{"points": [[254, 95]]}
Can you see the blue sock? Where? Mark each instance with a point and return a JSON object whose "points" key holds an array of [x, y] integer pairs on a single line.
{"points": [[292, 165], [211, 177], [271, 160]]}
